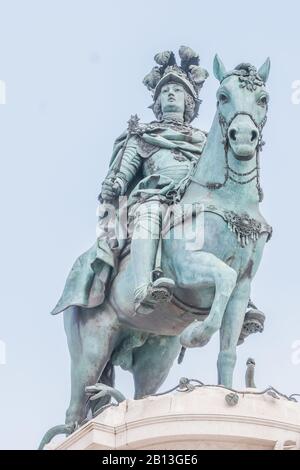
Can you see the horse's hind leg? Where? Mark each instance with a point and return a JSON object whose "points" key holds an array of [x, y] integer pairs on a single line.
{"points": [[152, 363], [92, 335]]}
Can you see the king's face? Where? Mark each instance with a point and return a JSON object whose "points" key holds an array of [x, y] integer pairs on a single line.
{"points": [[172, 97]]}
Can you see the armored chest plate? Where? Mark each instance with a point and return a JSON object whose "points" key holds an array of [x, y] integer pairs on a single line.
{"points": [[171, 163]]}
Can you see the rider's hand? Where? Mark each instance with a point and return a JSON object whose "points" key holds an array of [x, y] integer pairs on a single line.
{"points": [[110, 190]]}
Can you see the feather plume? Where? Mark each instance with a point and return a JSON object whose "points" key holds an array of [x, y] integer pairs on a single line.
{"points": [[165, 58], [188, 57], [198, 74], [152, 78]]}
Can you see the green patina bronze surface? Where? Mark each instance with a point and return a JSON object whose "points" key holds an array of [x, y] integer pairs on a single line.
{"points": [[136, 302]]}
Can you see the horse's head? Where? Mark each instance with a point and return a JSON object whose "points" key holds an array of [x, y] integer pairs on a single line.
{"points": [[242, 105]]}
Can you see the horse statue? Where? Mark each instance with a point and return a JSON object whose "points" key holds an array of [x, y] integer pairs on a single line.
{"points": [[212, 278]]}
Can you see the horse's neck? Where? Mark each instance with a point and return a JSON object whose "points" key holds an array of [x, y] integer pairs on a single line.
{"points": [[212, 169], [212, 162]]}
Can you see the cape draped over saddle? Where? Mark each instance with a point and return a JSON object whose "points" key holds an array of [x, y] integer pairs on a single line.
{"points": [[92, 271]]}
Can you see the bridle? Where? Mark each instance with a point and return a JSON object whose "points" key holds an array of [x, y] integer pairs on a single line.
{"points": [[226, 125], [230, 173]]}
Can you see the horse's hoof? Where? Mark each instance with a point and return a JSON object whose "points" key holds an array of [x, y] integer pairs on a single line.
{"points": [[195, 336]]}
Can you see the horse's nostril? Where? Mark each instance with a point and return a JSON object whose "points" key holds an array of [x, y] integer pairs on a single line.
{"points": [[254, 135], [232, 134]]}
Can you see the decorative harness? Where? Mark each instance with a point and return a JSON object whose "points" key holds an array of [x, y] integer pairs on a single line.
{"points": [[245, 227]]}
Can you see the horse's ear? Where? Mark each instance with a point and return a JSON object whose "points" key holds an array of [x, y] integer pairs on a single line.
{"points": [[264, 70], [219, 68]]}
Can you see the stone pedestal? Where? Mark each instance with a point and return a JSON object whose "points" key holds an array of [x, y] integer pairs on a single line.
{"points": [[198, 419]]}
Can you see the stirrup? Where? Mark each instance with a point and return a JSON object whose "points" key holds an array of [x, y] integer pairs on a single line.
{"points": [[253, 322], [159, 291]]}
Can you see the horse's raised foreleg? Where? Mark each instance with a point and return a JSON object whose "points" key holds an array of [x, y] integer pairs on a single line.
{"points": [[207, 269], [152, 363], [92, 335], [230, 331]]}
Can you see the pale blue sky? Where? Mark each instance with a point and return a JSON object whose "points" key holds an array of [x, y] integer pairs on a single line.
{"points": [[73, 72]]}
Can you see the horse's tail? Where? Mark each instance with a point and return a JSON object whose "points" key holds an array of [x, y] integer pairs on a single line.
{"points": [[108, 378], [60, 429]]}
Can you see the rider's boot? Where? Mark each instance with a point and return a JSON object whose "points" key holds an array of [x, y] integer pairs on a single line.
{"points": [[147, 296], [152, 287]]}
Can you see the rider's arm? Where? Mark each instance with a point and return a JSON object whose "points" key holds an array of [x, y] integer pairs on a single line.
{"points": [[118, 179], [130, 164]]}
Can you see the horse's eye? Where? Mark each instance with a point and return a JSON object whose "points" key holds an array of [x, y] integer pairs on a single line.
{"points": [[223, 98]]}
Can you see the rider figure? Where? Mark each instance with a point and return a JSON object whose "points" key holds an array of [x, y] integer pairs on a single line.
{"points": [[164, 153]]}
